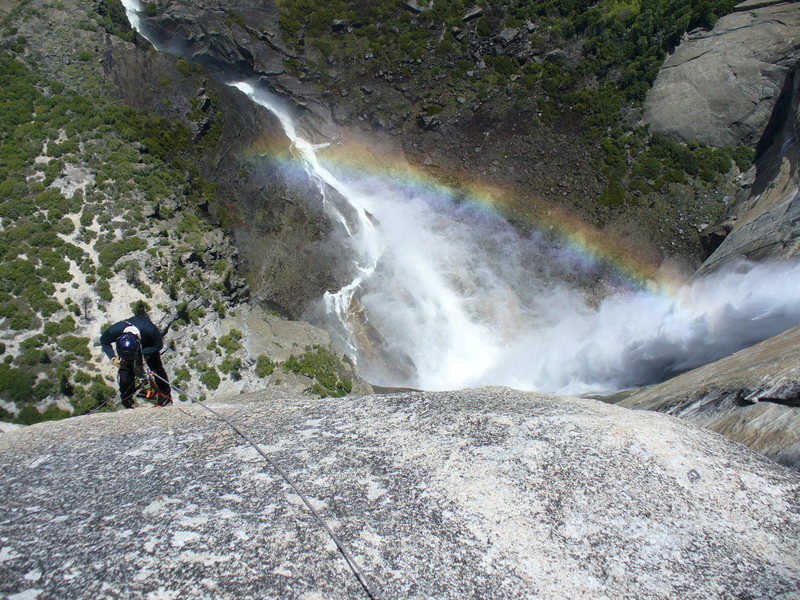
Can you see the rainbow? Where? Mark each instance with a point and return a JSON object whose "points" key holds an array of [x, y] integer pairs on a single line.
{"points": [[639, 266]]}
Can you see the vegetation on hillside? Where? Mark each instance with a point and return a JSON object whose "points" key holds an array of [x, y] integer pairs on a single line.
{"points": [[91, 192], [586, 59]]}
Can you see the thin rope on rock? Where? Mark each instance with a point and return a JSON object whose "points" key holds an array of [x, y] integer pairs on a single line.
{"points": [[351, 563]]}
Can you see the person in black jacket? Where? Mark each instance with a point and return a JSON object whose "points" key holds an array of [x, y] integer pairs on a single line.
{"points": [[136, 339]]}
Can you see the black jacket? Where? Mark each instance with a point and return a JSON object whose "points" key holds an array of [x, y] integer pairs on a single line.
{"points": [[152, 341]]}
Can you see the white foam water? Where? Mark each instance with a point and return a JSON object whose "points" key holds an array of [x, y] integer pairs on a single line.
{"points": [[467, 301]]}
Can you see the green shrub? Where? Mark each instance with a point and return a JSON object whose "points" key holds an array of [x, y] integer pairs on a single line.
{"points": [[264, 366], [79, 346], [613, 195], [231, 341], [110, 253], [325, 367], [16, 385], [181, 374], [103, 289], [184, 66], [210, 378], [35, 356], [140, 308], [111, 16], [232, 365], [29, 415], [65, 325], [97, 394], [54, 413]]}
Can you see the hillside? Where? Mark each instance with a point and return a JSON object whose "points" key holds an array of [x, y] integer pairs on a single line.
{"points": [[107, 210], [541, 101]]}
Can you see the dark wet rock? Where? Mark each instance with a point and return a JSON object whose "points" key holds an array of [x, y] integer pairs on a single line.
{"points": [[241, 41], [428, 122], [485, 493], [752, 397], [722, 86]]}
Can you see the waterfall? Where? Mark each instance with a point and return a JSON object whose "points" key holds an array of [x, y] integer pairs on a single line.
{"points": [[445, 295], [469, 301]]}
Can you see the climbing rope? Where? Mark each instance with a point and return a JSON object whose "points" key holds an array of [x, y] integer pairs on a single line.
{"points": [[351, 563]]}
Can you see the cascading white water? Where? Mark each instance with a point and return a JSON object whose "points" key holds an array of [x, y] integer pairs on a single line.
{"points": [[469, 301], [444, 296], [132, 10]]}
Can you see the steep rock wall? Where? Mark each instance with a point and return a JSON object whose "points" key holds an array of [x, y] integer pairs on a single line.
{"points": [[721, 86], [282, 235], [764, 221]]}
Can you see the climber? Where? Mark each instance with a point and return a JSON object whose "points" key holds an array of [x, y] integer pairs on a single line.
{"points": [[136, 338]]}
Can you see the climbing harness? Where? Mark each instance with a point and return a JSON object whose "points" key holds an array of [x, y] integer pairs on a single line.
{"points": [[351, 563], [148, 388]]}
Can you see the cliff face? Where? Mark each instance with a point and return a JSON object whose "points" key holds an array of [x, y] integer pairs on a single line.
{"points": [[722, 86], [738, 83], [764, 221], [508, 137], [474, 494], [241, 39], [276, 217]]}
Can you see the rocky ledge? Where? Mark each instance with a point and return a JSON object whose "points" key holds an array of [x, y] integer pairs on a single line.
{"points": [[473, 494], [752, 397]]}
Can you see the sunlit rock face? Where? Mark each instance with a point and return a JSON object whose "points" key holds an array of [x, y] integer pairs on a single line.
{"points": [[485, 493], [752, 397], [721, 86]]}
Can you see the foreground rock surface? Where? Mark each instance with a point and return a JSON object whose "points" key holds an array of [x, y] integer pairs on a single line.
{"points": [[474, 494], [752, 397]]}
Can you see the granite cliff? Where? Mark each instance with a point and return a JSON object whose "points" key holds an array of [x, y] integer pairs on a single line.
{"points": [[738, 83], [740, 80]]}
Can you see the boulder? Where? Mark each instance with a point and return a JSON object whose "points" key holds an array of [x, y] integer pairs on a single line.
{"points": [[486, 493], [507, 35], [721, 86], [414, 7], [752, 397], [473, 12], [428, 122]]}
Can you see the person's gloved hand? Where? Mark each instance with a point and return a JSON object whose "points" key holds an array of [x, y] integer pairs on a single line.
{"points": [[116, 362]]}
